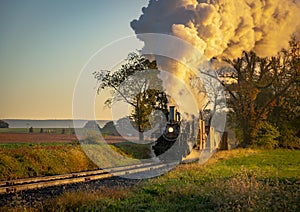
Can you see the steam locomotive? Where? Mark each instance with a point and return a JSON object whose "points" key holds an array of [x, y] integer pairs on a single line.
{"points": [[171, 145]]}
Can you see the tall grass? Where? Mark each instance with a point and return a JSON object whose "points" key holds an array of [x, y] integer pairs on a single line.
{"points": [[238, 180], [22, 160], [31, 160]]}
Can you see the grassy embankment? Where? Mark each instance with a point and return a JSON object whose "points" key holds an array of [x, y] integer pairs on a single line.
{"points": [[22, 160], [31, 160], [241, 179]]}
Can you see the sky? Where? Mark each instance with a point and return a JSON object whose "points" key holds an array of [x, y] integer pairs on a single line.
{"points": [[45, 44]]}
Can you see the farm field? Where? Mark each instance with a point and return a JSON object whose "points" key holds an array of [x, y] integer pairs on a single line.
{"points": [[36, 138], [49, 135]]}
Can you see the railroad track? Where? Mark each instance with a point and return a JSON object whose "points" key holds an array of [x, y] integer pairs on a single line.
{"points": [[17, 185]]}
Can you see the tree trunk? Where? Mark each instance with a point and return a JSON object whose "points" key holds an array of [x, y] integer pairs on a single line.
{"points": [[141, 135], [246, 135]]}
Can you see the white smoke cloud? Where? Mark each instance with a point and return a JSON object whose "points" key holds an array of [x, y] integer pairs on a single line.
{"points": [[224, 27], [215, 28]]}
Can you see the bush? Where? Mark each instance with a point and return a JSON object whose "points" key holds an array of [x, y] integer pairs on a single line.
{"points": [[3, 124], [288, 139], [267, 136]]}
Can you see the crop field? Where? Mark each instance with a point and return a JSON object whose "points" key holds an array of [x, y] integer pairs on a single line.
{"points": [[38, 130], [36, 138], [49, 135]]}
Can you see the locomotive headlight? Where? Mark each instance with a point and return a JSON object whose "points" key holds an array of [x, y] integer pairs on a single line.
{"points": [[170, 129]]}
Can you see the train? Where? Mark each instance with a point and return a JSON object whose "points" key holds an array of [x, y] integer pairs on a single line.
{"points": [[172, 144]]}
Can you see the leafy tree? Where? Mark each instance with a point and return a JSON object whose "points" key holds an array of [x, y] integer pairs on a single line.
{"points": [[139, 88], [3, 124], [148, 101], [285, 115], [266, 136], [256, 86]]}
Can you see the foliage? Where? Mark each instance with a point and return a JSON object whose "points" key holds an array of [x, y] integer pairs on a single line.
{"points": [[149, 101], [263, 89], [136, 86], [3, 124], [289, 138], [266, 136]]}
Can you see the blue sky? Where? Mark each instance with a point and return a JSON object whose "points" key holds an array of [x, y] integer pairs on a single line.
{"points": [[44, 45]]}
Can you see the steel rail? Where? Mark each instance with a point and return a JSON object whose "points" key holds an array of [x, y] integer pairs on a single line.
{"points": [[12, 186]]}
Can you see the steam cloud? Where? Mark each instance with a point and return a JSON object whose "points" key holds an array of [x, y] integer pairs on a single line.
{"points": [[224, 27], [216, 28]]}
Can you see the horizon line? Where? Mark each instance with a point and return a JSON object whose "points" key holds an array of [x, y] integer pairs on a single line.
{"points": [[49, 119]]}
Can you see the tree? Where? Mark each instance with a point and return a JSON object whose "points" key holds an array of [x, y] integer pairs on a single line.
{"points": [[256, 86], [135, 85], [3, 124], [147, 101], [285, 115], [216, 104]]}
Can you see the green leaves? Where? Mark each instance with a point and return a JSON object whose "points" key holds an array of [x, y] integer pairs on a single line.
{"points": [[263, 89], [136, 83]]}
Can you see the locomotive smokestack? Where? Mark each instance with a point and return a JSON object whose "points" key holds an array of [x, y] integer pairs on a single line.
{"points": [[172, 113]]}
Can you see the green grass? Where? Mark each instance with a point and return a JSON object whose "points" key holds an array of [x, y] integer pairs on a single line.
{"points": [[139, 151], [13, 130], [22, 160], [241, 179], [31, 160], [37, 130], [33, 145], [247, 180]]}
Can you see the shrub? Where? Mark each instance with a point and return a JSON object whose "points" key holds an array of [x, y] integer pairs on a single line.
{"points": [[266, 136], [289, 139], [3, 124]]}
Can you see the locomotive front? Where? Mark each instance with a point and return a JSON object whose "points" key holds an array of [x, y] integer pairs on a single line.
{"points": [[170, 145], [172, 129]]}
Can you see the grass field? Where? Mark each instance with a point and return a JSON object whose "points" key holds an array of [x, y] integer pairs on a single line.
{"points": [[31, 160], [25, 155], [13, 130], [242, 179]]}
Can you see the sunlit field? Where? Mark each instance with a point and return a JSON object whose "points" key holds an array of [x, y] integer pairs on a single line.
{"points": [[241, 179], [24, 155]]}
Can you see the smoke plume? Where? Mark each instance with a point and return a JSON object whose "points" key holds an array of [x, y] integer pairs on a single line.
{"points": [[214, 28], [224, 27]]}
